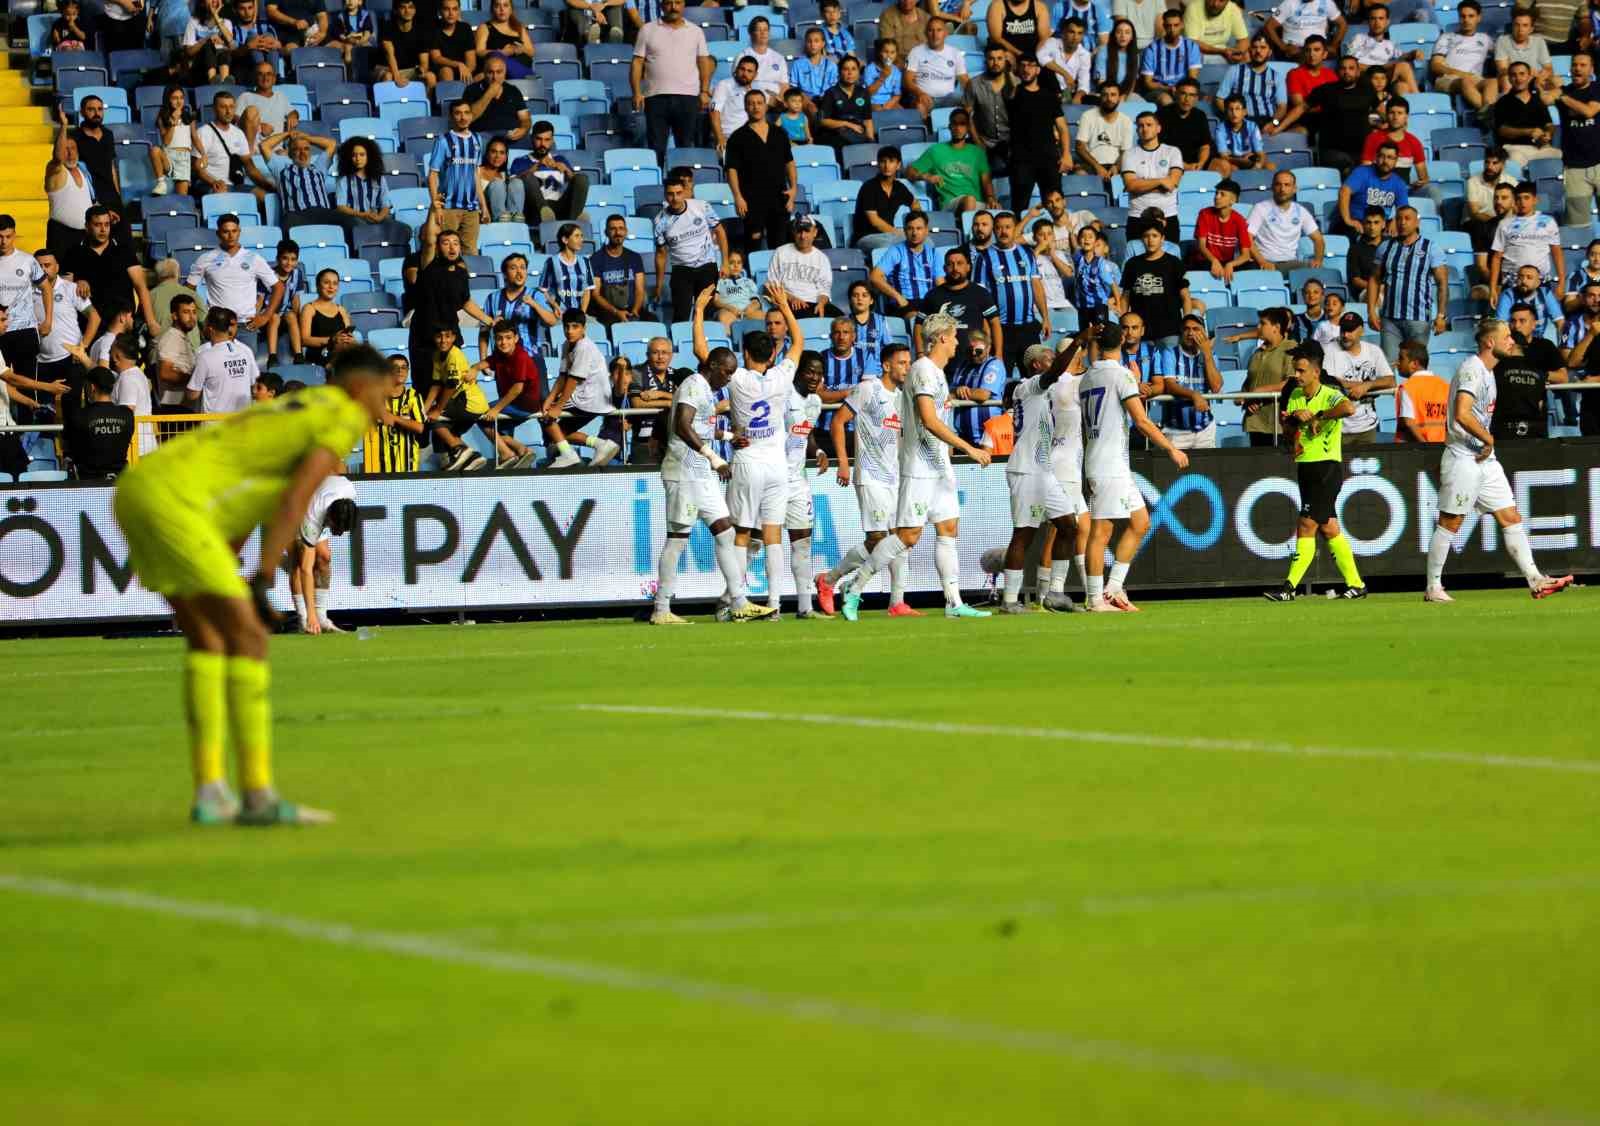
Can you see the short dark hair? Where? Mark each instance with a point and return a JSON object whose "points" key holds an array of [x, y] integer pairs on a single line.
{"points": [[759, 345], [288, 246], [680, 174], [1374, 209], [220, 318], [892, 349], [354, 360], [1396, 102], [464, 102], [1188, 80], [7, 223], [271, 380], [504, 325], [574, 317], [127, 343], [1320, 40], [103, 380], [1389, 145], [94, 212], [1277, 316], [1473, 4], [1311, 352], [1110, 336], [179, 301], [228, 217], [1526, 187], [1417, 350], [341, 516], [889, 152], [1522, 307], [914, 214], [1074, 21], [1384, 8]]}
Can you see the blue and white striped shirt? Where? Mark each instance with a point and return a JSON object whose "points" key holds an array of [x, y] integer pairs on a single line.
{"points": [[647, 10], [912, 272], [569, 281], [816, 79], [872, 333], [293, 283], [518, 312], [1166, 63], [1228, 143], [839, 43], [1096, 17], [1008, 274], [301, 186], [1261, 90], [361, 194], [455, 158], [988, 376], [840, 373], [1092, 281], [1189, 369], [1546, 309], [1407, 276], [1147, 360]]}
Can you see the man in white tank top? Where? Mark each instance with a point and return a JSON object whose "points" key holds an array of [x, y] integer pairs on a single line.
{"points": [[70, 190]]}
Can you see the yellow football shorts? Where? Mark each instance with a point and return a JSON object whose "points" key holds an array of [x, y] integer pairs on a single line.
{"points": [[174, 550]]}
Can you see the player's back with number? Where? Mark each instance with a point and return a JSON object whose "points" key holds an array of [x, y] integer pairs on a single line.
{"points": [[1101, 394], [759, 400]]}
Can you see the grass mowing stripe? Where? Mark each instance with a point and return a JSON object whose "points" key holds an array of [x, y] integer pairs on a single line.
{"points": [[1217, 1069], [1119, 738]]}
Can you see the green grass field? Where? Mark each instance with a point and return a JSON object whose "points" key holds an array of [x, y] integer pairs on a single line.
{"points": [[1222, 862]]}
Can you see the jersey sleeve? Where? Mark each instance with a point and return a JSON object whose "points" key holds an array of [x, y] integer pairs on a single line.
{"points": [[926, 384], [1126, 387]]}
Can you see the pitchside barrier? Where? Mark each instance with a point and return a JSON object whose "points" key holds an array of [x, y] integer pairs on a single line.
{"points": [[515, 540]]}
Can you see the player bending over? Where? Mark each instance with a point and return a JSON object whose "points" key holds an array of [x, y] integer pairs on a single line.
{"points": [[1036, 496], [692, 476], [1108, 397], [1312, 414], [874, 406], [332, 512], [758, 394], [185, 509], [927, 480], [1470, 475]]}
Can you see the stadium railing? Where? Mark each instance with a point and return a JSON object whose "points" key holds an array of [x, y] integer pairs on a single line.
{"points": [[157, 428]]}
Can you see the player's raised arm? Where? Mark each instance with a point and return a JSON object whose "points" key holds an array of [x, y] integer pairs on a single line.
{"points": [[277, 534], [701, 301], [780, 299]]}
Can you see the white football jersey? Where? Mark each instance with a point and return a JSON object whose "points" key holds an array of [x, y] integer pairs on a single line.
{"points": [[1101, 394], [682, 463], [877, 411], [1034, 425], [315, 525], [225, 374], [800, 419], [1068, 423], [921, 454], [759, 399], [1478, 381]]}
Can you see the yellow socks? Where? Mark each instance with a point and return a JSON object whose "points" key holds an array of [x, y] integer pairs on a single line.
{"points": [[1305, 550], [1345, 558], [250, 711], [204, 690]]}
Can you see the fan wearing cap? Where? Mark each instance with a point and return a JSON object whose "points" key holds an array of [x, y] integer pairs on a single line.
{"points": [[1362, 370], [1222, 236], [804, 272]]}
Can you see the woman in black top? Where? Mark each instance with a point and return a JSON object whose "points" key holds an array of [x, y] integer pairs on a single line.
{"points": [[504, 33], [761, 172], [321, 320], [1019, 28]]}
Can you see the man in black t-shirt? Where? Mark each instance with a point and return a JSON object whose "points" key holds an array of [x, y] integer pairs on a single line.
{"points": [[98, 435], [957, 296], [498, 107], [1522, 122], [403, 47], [1156, 289], [872, 227], [452, 54], [1341, 116], [1521, 377], [1184, 127], [438, 298]]}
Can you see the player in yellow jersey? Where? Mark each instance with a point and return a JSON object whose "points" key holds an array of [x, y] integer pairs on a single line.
{"points": [[186, 509], [1313, 415]]}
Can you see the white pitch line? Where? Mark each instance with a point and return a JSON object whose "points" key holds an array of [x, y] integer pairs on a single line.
{"points": [[1118, 738], [825, 1010]]}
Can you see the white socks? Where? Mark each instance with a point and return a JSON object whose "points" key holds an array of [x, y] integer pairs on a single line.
{"points": [[1083, 571], [889, 549], [1119, 572], [948, 563], [853, 558], [667, 571], [1013, 586], [1521, 552], [773, 558], [897, 579], [1094, 587], [1060, 569], [300, 606], [800, 568], [731, 566], [1438, 553]]}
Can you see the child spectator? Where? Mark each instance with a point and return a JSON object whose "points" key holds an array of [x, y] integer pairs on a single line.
{"points": [[794, 119], [268, 386], [584, 390], [455, 403], [737, 296], [293, 277], [394, 445], [519, 381], [1094, 280], [72, 30]]}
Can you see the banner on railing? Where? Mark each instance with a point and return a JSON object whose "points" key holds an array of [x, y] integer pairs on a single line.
{"points": [[484, 541]]}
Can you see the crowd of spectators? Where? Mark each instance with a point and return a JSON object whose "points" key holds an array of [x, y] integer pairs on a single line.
{"points": [[520, 205]]}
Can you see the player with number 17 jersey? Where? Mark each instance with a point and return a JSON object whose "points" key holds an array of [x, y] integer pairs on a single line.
{"points": [[1106, 469]]}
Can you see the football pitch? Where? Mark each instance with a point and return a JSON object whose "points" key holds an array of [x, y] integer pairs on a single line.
{"points": [[1220, 862]]}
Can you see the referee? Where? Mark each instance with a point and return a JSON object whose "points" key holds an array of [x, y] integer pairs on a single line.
{"points": [[1312, 414], [1008, 271], [1409, 282]]}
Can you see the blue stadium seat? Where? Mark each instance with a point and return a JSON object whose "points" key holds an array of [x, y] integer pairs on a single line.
{"points": [[410, 206], [625, 159], [242, 204]]}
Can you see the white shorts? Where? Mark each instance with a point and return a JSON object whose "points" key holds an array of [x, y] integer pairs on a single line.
{"points": [[758, 495], [879, 504], [1036, 498], [1069, 475], [926, 500], [1194, 439], [698, 498], [1466, 483], [1114, 498], [801, 514]]}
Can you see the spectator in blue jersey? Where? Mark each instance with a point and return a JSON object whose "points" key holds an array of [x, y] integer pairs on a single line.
{"points": [[359, 191], [1148, 360], [302, 187], [618, 277], [878, 201], [1410, 286], [1588, 271], [1191, 375], [1578, 335], [846, 363], [835, 34], [872, 327], [979, 378], [1168, 60], [1528, 289], [815, 72], [567, 282], [1092, 286], [1374, 185], [1259, 85], [556, 189], [453, 177], [1007, 270], [905, 273], [1236, 141], [514, 304]]}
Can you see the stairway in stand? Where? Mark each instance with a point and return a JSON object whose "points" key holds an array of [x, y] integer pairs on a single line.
{"points": [[25, 143]]}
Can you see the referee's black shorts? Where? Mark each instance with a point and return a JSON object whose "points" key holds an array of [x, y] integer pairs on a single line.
{"points": [[1319, 488]]}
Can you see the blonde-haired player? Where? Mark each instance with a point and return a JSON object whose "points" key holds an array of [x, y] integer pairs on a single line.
{"points": [[927, 492]]}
